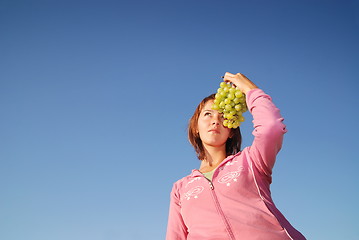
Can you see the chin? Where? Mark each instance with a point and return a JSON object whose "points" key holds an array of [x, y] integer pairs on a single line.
{"points": [[215, 144]]}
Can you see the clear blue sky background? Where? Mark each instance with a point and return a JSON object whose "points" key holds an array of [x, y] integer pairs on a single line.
{"points": [[95, 97]]}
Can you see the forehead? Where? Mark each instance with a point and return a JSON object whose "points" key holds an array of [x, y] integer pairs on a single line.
{"points": [[208, 105]]}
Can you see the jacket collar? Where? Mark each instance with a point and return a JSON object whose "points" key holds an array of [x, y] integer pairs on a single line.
{"points": [[197, 173]]}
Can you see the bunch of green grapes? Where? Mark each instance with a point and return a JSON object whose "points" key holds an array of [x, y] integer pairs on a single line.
{"points": [[232, 103]]}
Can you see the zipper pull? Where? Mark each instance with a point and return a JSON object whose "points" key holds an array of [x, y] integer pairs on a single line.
{"points": [[211, 184]]}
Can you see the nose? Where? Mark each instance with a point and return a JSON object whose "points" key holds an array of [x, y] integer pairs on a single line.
{"points": [[216, 119]]}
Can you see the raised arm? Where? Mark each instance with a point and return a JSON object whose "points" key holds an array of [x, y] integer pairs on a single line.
{"points": [[268, 124]]}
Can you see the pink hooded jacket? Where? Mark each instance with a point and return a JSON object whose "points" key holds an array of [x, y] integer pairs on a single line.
{"points": [[237, 203]]}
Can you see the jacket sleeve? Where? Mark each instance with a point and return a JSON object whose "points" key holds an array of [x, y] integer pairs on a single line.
{"points": [[268, 130], [176, 229]]}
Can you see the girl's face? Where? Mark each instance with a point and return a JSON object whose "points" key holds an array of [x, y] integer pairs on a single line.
{"points": [[210, 127]]}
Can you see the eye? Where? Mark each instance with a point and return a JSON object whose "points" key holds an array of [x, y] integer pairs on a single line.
{"points": [[207, 114]]}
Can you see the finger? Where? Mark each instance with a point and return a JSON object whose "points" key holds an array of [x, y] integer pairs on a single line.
{"points": [[228, 74], [228, 77], [241, 75], [229, 80]]}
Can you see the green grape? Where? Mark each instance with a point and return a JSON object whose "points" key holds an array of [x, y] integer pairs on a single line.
{"points": [[228, 107], [223, 84], [238, 107], [230, 96], [238, 94], [232, 103], [236, 100], [215, 107]]}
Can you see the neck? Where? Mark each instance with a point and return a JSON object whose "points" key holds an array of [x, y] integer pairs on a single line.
{"points": [[214, 155]]}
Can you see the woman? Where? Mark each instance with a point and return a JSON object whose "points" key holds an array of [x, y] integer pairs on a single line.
{"points": [[229, 197]]}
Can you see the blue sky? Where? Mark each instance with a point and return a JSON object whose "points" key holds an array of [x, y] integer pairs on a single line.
{"points": [[95, 97]]}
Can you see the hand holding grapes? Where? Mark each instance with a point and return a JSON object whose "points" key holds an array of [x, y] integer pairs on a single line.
{"points": [[240, 81], [230, 98]]}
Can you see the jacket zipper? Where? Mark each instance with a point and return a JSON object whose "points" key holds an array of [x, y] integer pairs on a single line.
{"points": [[220, 211]]}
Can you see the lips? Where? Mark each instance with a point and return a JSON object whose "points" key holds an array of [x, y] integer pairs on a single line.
{"points": [[214, 130]]}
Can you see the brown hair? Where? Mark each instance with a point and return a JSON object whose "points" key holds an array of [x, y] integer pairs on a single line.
{"points": [[233, 144]]}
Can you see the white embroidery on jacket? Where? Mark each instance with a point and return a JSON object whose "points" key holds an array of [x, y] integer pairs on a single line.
{"points": [[229, 163], [194, 192], [194, 179], [230, 176]]}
